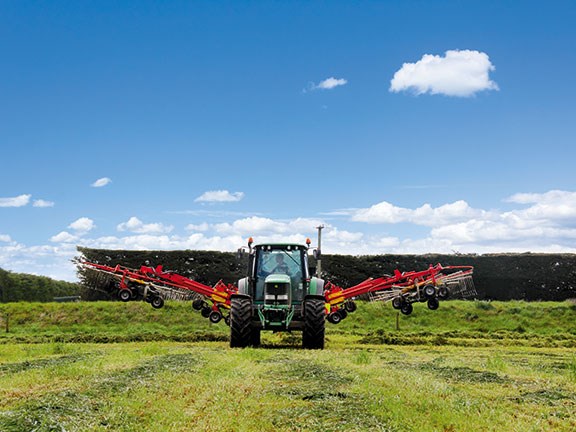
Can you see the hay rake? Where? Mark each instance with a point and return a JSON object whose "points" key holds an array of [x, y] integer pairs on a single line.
{"points": [[402, 289]]}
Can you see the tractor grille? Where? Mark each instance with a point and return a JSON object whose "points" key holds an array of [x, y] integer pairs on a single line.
{"points": [[277, 293]]}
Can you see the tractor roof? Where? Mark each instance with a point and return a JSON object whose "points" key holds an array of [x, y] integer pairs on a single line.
{"points": [[280, 245]]}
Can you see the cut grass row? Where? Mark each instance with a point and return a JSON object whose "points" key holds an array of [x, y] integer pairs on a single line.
{"points": [[169, 386], [469, 367]]}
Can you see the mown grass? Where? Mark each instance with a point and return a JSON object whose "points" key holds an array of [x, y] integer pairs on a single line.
{"points": [[526, 382]]}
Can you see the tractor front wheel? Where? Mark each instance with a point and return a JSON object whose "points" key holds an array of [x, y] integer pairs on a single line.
{"points": [[314, 324], [240, 322]]}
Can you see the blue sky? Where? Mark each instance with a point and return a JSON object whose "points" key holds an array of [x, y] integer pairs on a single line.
{"points": [[402, 126]]}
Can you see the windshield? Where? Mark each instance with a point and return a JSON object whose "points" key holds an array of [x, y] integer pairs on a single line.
{"points": [[279, 261]]}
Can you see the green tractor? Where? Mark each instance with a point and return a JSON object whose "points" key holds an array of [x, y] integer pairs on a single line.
{"points": [[279, 294]]}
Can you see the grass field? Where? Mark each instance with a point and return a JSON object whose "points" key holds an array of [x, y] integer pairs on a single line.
{"points": [[470, 366]]}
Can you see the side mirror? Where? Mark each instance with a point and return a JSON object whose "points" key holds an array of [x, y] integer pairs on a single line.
{"points": [[317, 254]]}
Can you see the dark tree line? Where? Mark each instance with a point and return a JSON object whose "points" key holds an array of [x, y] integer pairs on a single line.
{"points": [[496, 276], [25, 287]]}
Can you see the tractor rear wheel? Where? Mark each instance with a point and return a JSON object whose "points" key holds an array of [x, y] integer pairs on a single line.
{"points": [[240, 322], [314, 324]]}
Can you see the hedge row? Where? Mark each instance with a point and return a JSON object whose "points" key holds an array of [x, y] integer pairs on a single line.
{"points": [[525, 276]]}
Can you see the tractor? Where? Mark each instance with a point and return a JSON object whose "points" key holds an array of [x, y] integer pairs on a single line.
{"points": [[278, 294]]}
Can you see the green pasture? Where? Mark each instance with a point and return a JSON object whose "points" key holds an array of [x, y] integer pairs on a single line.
{"points": [[469, 366]]}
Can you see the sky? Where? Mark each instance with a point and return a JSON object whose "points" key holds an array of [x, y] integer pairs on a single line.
{"points": [[401, 126]]}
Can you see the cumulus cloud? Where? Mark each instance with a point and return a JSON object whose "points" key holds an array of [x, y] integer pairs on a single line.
{"points": [[43, 203], [82, 225], [64, 237], [328, 84], [19, 201], [255, 225], [536, 222], [199, 227], [552, 205], [135, 225], [101, 182], [385, 212], [459, 73], [220, 196]]}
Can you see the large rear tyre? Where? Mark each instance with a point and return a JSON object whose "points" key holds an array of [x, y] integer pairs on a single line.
{"points": [[314, 324], [240, 322]]}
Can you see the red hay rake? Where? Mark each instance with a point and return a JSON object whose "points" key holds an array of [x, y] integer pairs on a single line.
{"points": [[402, 289]]}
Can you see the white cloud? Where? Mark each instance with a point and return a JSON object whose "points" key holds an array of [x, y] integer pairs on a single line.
{"points": [[536, 222], [43, 203], [385, 212], [135, 225], [64, 237], [19, 201], [458, 73], [82, 225], [220, 196], [200, 227], [101, 182], [550, 219], [552, 205], [255, 225], [329, 83]]}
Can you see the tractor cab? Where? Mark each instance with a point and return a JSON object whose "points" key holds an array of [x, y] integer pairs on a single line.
{"points": [[279, 273]]}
